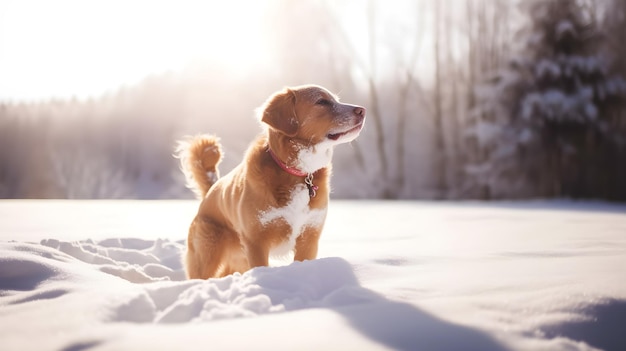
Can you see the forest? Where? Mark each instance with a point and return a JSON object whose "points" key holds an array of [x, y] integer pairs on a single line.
{"points": [[466, 99]]}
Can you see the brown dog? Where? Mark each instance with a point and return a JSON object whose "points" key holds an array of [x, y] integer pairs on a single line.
{"points": [[275, 201]]}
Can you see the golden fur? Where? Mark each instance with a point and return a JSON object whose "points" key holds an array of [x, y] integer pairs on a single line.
{"points": [[259, 208]]}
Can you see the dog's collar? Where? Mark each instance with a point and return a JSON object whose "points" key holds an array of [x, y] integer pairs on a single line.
{"points": [[291, 170], [308, 177]]}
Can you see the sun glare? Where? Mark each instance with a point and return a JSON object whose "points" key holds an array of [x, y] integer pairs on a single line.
{"points": [[80, 48]]}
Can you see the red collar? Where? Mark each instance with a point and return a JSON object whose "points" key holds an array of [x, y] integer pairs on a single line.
{"points": [[308, 177], [293, 171]]}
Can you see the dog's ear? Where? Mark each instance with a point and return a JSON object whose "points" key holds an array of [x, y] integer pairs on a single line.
{"points": [[279, 112]]}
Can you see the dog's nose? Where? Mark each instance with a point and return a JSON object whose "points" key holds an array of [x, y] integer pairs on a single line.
{"points": [[359, 111]]}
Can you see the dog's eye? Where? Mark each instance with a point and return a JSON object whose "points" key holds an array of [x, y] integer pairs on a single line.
{"points": [[323, 102]]}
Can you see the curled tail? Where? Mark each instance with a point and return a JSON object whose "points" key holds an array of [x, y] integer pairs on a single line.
{"points": [[199, 157]]}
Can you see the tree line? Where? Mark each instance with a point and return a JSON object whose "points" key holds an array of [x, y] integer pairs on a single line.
{"points": [[486, 99]]}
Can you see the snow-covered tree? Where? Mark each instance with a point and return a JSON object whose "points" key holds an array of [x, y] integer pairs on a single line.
{"points": [[541, 127]]}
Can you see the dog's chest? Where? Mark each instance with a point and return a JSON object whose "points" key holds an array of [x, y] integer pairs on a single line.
{"points": [[297, 215]]}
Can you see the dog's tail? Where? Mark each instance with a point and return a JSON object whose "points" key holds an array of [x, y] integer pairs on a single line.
{"points": [[199, 157]]}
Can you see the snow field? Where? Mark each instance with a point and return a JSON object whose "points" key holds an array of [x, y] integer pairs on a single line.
{"points": [[404, 276]]}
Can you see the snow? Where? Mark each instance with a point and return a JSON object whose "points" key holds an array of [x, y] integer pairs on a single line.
{"points": [[541, 275], [547, 68], [555, 105], [565, 28]]}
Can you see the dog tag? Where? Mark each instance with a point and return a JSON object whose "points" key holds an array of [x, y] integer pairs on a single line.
{"points": [[309, 184]]}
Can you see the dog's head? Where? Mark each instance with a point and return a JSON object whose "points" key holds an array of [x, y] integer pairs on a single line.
{"points": [[312, 115]]}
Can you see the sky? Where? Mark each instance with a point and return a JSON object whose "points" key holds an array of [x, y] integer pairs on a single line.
{"points": [[74, 48]]}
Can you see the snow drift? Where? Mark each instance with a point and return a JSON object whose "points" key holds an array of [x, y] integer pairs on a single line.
{"points": [[540, 276]]}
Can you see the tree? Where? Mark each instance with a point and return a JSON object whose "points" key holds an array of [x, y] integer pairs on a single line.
{"points": [[10, 153], [543, 123], [484, 33], [614, 23], [440, 161]]}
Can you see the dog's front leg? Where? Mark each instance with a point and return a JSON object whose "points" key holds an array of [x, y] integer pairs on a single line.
{"points": [[258, 255], [306, 244]]}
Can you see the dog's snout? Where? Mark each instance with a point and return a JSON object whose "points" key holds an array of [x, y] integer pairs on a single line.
{"points": [[359, 111]]}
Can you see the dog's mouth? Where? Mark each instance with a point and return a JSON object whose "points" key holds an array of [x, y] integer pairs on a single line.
{"points": [[336, 136]]}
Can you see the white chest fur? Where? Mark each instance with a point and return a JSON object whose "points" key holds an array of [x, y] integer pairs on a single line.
{"points": [[297, 215]]}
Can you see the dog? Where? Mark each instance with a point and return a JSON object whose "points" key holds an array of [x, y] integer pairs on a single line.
{"points": [[275, 201]]}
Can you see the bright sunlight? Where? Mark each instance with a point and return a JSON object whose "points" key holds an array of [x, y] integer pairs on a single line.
{"points": [[79, 48]]}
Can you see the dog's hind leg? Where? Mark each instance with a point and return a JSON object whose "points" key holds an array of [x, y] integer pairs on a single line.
{"points": [[205, 249]]}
